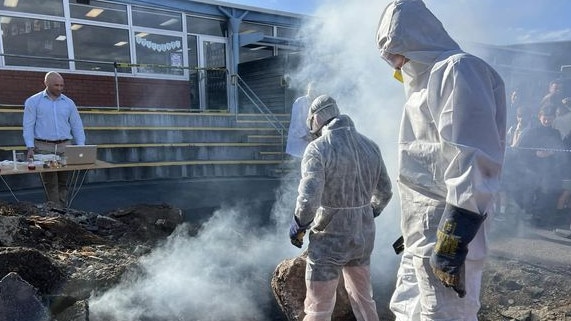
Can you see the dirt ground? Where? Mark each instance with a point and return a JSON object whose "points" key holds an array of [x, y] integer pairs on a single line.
{"points": [[527, 276]]}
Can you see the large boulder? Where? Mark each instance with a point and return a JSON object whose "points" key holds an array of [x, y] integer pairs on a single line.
{"points": [[20, 301], [288, 286]]}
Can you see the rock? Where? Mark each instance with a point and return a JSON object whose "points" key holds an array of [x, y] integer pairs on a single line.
{"points": [[10, 229], [107, 222], [79, 311], [535, 291], [512, 285], [151, 222], [517, 313], [288, 286], [34, 267], [19, 300]]}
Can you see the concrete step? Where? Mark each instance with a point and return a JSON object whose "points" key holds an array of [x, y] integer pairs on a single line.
{"points": [[273, 155], [12, 135], [147, 145], [12, 116], [99, 117], [253, 138]]}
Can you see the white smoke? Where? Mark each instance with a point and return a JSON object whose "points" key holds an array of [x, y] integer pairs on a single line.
{"points": [[223, 273]]}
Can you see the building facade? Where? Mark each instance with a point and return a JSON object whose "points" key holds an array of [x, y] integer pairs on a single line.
{"points": [[172, 54]]}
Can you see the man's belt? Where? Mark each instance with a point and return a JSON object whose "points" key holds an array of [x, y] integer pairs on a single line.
{"points": [[52, 141]]}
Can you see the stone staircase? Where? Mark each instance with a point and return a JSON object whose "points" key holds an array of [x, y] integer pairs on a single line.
{"points": [[152, 145]]}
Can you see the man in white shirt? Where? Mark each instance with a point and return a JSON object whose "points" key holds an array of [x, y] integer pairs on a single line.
{"points": [[51, 121]]}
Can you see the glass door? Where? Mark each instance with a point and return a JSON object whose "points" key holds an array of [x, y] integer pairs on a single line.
{"points": [[208, 77]]}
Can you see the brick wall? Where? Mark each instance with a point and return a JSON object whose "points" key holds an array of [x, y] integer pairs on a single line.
{"points": [[98, 91]]}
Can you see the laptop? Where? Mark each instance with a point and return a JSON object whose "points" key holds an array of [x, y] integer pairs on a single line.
{"points": [[81, 154]]}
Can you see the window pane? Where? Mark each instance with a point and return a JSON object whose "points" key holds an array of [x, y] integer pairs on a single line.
{"points": [[162, 50], [101, 46], [247, 27], [158, 19], [255, 52], [194, 74], [205, 26], [287, 32], [37, 38], [99, 11], [51, 7], [215, 55]]}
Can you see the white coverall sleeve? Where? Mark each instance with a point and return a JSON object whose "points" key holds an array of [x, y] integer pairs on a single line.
{"points": [[468, 104], [311, 185], [299, 112], [382, 193]]}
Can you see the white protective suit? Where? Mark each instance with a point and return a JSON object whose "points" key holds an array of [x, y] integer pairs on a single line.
{"points": [[298, 133], [451, 150], [343, 180]]}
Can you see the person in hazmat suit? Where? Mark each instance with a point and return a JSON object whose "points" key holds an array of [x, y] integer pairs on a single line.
{"points": [[298, 134], [344, 186], [451, 151]]}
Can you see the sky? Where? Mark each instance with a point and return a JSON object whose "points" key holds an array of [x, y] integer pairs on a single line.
{"points": [[498, 22]]}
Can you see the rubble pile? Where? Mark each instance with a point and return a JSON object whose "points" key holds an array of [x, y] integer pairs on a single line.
{"points": [[65, 255], [53, 260]]}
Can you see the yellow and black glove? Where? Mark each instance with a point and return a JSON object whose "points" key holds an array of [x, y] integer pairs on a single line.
{"points": [[456, 230]]}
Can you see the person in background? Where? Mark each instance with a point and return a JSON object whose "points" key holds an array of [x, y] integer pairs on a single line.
{"points": [[540, 149], [51, 120], [516, 101], [344, 186], [562, 121], [451, 152], [298, 134], [554, 95], [513, 194], [522, 123]]}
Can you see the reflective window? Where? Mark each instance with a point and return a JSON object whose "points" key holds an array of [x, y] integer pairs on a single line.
{"points": [[215, 80], [99, 11], [248, 27], [284, 32], [100, 46], [161, 52], [27, 38], [45, 7], [194, 73], [158, 19], [205, 26], [255, 52]]}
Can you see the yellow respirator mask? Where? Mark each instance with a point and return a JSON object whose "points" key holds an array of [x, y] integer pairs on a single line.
{"points": [[398, 75]]}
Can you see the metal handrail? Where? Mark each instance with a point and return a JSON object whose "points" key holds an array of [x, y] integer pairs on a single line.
{"points": [[259, 104], [262, 108]]}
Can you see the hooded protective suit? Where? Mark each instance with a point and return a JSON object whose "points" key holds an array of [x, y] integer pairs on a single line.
{"points": [[451, 150], [344, 185], [298, 132]]}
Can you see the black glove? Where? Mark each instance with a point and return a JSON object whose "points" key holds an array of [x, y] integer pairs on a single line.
{"points": [[398, 245], [456, 230], [296, 232], [376, 211]]}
